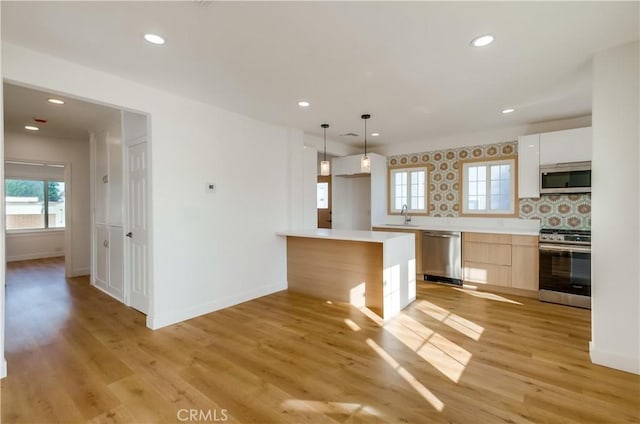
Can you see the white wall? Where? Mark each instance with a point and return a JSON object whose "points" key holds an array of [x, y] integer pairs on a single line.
{"points": [[616, 211], [210, 251], [34, 245], [75, 155], [310, 180], [351, 202]]}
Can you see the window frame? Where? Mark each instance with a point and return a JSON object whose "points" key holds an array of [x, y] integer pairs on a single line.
{"points": [[464, 188], [45, 202], [391, 189]]}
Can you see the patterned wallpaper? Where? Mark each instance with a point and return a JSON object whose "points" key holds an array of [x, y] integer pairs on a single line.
{"points": [[571, 211], [443, 175], [562, 211]]}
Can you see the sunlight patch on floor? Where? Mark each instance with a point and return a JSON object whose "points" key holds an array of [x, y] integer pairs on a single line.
{"points": [[352, 325], [372, 316], [444, 355], [487, 295], [408, 377], [456, 322], [331, 408]]}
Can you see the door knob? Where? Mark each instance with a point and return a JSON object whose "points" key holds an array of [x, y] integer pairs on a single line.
{"points": [[129, 234]]}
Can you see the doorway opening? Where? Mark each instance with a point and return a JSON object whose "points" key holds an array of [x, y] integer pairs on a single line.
{"points": [[69, 192]]}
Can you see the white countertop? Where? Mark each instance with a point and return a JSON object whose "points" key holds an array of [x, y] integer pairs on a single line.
{"points": [[475, 225], [350, 235]]}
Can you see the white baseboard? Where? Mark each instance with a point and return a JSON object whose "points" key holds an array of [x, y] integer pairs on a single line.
{"points": [[39, 255], [613, 360], [79, 272], [164, 319], [3, 368]]}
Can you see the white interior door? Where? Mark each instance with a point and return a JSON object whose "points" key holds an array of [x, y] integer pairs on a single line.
{"points": [[137, 248]]}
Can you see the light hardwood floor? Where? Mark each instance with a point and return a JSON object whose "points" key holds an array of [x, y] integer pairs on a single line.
{"points": [[76, 355]]}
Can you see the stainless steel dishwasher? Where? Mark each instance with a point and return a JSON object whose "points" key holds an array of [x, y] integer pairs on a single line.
{"points": [[442, 256]]}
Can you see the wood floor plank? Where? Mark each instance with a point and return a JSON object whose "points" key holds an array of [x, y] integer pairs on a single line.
{"points": [[453, 356]]}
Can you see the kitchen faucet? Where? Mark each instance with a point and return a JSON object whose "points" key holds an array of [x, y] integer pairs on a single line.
{"points": [[405, 212]]}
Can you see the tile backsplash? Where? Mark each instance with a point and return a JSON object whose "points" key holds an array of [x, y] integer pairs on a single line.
{"points": [[562, 211], [443, 172]]}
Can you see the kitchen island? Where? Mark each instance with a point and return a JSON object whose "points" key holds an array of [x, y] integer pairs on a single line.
{"points": [[363, 268]]}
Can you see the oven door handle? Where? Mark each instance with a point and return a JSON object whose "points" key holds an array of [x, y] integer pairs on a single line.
{"points": [[567, 248]]}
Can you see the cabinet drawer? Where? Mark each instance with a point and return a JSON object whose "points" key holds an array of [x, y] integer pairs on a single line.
{"points": [[488, 238], [487, 253], [524, 240], [484, 273]]}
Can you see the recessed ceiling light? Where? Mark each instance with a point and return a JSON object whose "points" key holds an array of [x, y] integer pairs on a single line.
{"points": [[56, 101], [154, 39], [508, 111], [31, 128], [483, 40], [375, 134], [304, 103]]}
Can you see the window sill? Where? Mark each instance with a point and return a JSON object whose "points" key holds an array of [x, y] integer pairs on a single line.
{"points": [[490, 215], [34, 232]]}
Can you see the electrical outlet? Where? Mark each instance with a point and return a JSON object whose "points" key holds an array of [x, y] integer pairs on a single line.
{"points": [[211, 187]]}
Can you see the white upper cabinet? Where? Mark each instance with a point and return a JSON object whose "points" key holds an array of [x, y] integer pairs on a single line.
{"points": [[346, 165], [529, 166], [108, 175], [547, 149], [566, 146]]}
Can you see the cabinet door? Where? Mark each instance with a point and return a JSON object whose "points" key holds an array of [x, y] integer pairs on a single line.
{"points": [[116, 260], [347, 165], [102, 258], [524, 265], [566, 146], [101, 153], [529, 166], [115, 199]]}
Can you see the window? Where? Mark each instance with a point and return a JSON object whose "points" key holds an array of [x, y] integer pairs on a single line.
{"points": [[408, 186], [34, 204], [488, 187]]}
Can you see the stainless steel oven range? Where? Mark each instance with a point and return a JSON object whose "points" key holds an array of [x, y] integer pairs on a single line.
{"points": [[565, 267]]}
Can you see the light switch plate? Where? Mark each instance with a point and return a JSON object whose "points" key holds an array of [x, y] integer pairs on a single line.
{"points": [[211, 187]]}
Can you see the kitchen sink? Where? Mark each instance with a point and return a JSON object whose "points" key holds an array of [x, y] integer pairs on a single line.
{"points": [[403, 225]]}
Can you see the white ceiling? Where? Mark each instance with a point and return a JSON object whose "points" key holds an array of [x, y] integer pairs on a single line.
{"points": [[409, 64], [72, 120]]}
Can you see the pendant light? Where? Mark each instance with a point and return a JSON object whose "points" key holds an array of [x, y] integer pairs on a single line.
{"points": [[365, 162], [325, 165]]}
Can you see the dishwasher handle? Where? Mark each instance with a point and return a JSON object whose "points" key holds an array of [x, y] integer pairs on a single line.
{"points": [[441, 235]]}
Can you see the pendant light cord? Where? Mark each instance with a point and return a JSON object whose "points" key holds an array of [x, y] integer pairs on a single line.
{"points": [[365, 137], [365, 117], [325, 144], [324, 127]]}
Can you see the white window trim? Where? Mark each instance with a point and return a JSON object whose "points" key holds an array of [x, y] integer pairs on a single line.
{"points": [[465, 186], [392, 171]]}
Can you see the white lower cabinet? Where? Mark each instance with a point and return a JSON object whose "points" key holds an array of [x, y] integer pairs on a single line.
{"points": [[109, 252]]}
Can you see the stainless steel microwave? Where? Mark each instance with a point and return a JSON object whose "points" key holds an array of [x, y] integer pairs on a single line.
{"points": [[573, 177]]}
